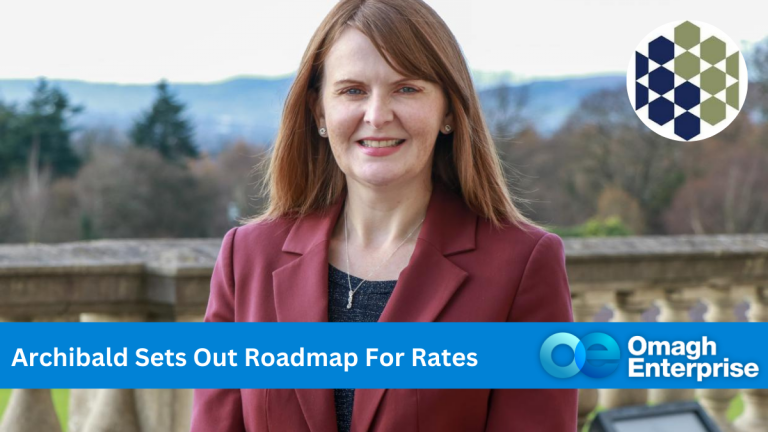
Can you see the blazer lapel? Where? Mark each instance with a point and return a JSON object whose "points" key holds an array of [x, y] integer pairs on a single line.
{"points": [[301, 295], [429, 281], [301, 286], [422, 291]]}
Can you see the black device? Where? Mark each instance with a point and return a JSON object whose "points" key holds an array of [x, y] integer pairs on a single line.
{"points": [[686, 416]]}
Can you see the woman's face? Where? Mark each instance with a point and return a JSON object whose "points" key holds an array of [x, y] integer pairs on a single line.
{"points": [[381, 126]]}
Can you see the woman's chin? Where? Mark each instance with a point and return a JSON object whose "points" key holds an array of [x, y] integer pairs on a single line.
{"points": [[380, 179]]}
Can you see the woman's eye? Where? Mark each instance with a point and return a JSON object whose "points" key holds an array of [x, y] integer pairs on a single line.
{"points": [[358, 92]]}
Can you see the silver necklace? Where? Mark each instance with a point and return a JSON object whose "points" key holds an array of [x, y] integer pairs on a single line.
{"points": [[349, 279]]}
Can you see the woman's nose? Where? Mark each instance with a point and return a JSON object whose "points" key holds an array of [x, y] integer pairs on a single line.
{"points": [[378, 112]]}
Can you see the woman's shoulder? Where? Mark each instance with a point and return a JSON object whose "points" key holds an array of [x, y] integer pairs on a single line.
{"points": [[260, 235], [518, 244], [268, 227], [523, 236]]}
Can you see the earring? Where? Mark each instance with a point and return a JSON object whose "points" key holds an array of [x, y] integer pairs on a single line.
{"points": [[322, 132], [448, 128]]}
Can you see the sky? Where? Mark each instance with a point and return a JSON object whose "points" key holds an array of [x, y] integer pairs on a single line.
{"points": [[143, 41]]}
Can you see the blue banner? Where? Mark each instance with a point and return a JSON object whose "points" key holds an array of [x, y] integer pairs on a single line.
{"points": [[383, 355]]}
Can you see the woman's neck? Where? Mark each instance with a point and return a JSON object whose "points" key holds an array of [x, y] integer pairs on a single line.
{"points": [[383, 217]]}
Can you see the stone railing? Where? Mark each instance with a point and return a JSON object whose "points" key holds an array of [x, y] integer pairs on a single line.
{"points": [[105, 281], [711, 278], [637, 277]]}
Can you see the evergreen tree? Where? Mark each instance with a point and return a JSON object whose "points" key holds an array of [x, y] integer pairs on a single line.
{"points": [[43, 124], [164, 127], [9, 118]]}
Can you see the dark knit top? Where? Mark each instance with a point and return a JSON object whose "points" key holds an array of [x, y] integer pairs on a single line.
{"points": [[367, 305]]}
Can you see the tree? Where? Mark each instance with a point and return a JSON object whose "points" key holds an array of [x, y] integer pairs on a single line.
{"points": [[505, 111], [43, 124], [727, 190], [31, 197], [135, 193], [240, 170], [164, 128], [609, 147], [9, 119], [757, 96]]}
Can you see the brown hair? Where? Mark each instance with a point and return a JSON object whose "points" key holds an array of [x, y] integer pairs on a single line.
{"points": [[302, 175]]}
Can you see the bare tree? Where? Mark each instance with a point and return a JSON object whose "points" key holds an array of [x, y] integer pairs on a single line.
{"points": [[134, 192], [30, 197], [727, 187], [757, 96], [609, 147], [506, 111], [240, 172]]}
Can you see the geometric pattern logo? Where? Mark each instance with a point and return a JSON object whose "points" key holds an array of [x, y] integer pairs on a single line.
{"points": [[687, 80]]}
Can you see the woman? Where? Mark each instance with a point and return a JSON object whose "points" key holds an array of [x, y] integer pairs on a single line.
{"points": [[387, 203]]}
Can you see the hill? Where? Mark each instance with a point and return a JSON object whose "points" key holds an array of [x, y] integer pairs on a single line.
{"points": [[250, 107]]}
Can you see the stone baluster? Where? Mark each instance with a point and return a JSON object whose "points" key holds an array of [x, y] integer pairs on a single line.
{"points": [[80, 405], [29, 410], [182, 398], [628, 307], [755, 415], [105, 409], [720, 303], [154, 408], [674, 306], [585, 306]]}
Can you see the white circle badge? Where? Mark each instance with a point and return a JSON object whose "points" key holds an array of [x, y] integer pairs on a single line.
{"points": [[687, 80]]}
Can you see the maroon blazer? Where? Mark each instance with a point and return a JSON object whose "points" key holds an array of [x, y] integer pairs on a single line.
{"points": [[461, 270]]}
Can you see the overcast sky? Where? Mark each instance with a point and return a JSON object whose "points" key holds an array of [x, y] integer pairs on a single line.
{"points": [[142, 41]]}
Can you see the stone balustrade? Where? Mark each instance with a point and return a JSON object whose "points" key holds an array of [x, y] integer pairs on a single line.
{"points": [[673, 279]]}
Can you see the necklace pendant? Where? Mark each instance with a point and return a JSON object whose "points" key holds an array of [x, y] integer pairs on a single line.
{"points": [[349, 301]]}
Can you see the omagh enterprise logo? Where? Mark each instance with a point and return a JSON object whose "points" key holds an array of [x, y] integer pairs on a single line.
{"points": [[596, 355], [687, 80]]}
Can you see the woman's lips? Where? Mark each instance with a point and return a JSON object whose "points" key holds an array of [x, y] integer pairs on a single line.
{"points": [[380, 151]]}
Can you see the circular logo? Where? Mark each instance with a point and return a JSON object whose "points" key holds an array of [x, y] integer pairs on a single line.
{"points": [[687, 80], [587, 357]]}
